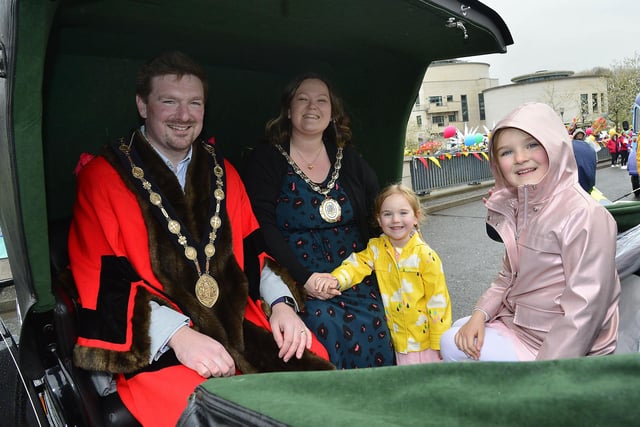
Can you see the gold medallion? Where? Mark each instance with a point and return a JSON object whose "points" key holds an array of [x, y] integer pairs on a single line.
{"points": [[155, 198], [137, 172], [207, 290], [215, 222], [330, 210], [209, 250], [173, 226], [190, 253]]}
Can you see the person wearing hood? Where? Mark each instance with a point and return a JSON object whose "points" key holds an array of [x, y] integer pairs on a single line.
{"points": [[586, 160], [557, 293]]}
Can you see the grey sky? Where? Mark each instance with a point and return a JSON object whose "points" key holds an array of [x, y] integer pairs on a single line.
{"points": [[573, 35]]}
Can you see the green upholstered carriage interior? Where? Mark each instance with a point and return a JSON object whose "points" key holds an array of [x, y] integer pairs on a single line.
{"points": [[587, 391], [74, 64]]}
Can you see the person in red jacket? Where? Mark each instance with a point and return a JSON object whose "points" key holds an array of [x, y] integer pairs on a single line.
{"points": [[623, 150], [157, 251], [614, 149]]}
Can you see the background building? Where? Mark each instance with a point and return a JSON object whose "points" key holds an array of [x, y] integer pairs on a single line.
{"points": [[462, 94], [581, 97], [451, 94]]}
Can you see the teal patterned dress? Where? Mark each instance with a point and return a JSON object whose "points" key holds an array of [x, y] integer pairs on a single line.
{"points": [[352, 326]]}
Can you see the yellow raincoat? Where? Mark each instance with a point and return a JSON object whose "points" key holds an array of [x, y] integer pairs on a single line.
{"points": [[413, 288]]}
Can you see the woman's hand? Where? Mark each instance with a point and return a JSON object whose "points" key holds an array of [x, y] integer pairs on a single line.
{"points": [[470, 337], [289, 331], [322, 286]]}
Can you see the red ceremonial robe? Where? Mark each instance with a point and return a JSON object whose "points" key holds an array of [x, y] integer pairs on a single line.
{"points": [[122, 258]]}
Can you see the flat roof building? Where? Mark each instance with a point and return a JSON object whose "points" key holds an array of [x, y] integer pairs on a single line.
{"points": [[462, 94], [582, 97]]}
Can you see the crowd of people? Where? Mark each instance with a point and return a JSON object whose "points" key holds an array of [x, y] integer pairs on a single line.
{"points": [[622, 146], [177, 265], [619, 145]]}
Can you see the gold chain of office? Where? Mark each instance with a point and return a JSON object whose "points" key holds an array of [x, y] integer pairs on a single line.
{"points": [[330, 210], [206, 288]]}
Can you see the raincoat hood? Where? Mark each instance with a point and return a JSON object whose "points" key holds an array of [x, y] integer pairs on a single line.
{"points": [[579, 131], [541, 122]]}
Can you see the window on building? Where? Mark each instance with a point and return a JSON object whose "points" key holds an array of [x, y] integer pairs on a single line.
{"points": [[453, 117], [465, 108], [584, 104], [602, 101], [481, 106], [436, 100], [438, 120], [417, 100], [419, 121], [594, 102], [449, 98]]}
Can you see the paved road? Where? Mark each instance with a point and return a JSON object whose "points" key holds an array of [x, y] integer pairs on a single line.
{"points": [[471, 260]]}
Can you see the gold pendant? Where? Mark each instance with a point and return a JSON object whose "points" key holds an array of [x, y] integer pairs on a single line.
{"points": [[330, 210], [207, 290]]}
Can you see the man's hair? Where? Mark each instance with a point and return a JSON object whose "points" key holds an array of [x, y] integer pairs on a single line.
{"points": [[168, 63]]}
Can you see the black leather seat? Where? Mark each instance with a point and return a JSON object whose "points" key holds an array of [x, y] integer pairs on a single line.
{"points": [[78, 398]]}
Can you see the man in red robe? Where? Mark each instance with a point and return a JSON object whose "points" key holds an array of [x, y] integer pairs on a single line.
{"points": [[157, 249]]}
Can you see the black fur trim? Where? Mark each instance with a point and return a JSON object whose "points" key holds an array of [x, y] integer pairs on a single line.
{"points": [[252, 348]]}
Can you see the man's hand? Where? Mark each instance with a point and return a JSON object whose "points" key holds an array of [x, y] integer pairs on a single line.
{"points": [[289, 331], [201, 353]]}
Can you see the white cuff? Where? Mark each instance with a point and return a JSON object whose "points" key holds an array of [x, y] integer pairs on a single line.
{"points": [[164, 323], [272, 287]]}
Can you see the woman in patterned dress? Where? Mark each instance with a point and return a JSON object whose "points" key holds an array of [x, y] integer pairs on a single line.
{"points": [[312, 193]]}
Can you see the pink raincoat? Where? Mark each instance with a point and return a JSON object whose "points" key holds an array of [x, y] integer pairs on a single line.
{"points": [[558, 289]]}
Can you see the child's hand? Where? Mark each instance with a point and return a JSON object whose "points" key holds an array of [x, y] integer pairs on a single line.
{"points": [[322, 286], [490, 192], [325, 282], [470, 337]]}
